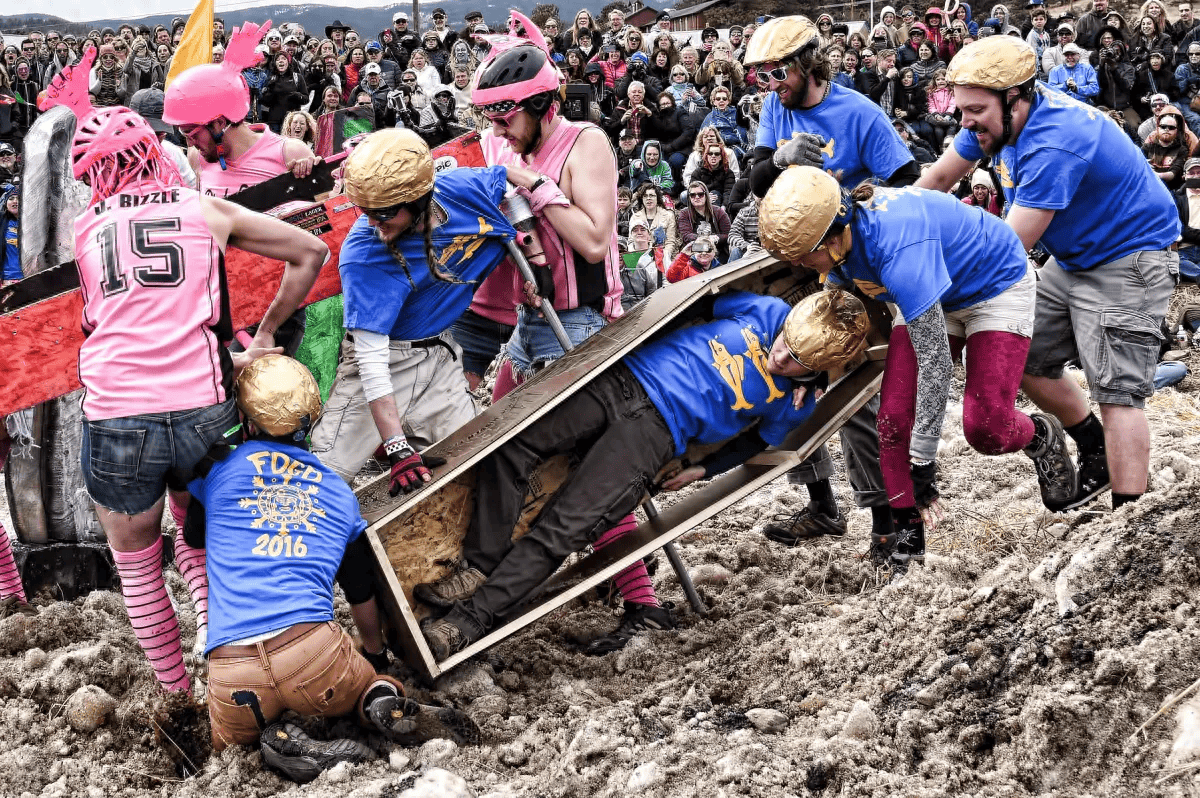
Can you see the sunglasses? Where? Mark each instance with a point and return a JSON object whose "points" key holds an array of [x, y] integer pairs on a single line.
{"points": [[408, 80], [1168, 127], [381, 215], [778, 74], [439, 16], [500, 113], [695, 194]]}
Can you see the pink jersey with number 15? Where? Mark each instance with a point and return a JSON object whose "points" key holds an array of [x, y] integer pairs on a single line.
{"points": [[156, 310]]}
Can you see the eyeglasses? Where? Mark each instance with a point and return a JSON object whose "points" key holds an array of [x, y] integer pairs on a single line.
{"points": [[1168, 127], [778, 74]]}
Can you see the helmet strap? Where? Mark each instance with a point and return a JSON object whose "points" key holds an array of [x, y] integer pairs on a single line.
{"points": [[222, 148]]}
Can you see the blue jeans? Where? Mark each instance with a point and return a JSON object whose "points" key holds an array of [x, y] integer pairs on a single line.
{"points": [[1169, 373], [481, 340], [533, 344], [1189, 264], [129, 462]]}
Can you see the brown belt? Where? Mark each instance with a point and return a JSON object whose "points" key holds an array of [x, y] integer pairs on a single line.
{"points": [[289, 635]]}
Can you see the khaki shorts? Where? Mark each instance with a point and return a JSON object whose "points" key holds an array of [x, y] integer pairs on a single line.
{"points": [[1109, 319], [310, 668], [431, 394], [1009, 311]]}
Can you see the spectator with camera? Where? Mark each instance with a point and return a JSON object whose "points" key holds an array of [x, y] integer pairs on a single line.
{"points": [[696, 258], [637, 71], [1115, 75], [632, 113]]}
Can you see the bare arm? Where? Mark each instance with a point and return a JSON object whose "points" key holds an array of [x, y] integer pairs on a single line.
{"points": [[589, 181], [1029, 223], [303, 253], [298, 157], [947, 171]]}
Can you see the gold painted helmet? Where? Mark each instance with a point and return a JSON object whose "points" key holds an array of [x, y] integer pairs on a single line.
{"points": [[390, 167], [827, 329], [995, 62], [779, 39], [279, 395], [797, 211]]}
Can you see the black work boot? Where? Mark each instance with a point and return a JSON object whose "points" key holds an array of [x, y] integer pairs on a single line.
{"points": [[1057, 478], [909, 537], [286, 748], [637, 618], [1093, 478]]}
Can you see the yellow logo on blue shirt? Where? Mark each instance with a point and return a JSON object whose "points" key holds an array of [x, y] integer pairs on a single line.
{"points": [[276, 501], [466, 244], [1002, 170], [732, 368]]}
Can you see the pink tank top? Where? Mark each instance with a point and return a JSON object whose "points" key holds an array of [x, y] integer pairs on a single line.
{"points": [[576, 282], [262, 161], [155, 306]]}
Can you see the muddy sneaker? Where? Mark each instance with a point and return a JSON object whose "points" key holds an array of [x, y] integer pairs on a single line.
{"points": [[637, 618], [880, 551], [808, 524], [404, 721], [1057, 478], [910, 542], [1093, 479], [287, 749], [459, 585], [445, 637]]}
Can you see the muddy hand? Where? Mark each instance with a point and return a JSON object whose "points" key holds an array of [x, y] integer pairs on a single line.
{"points": [[933, 515], [532, 297]]}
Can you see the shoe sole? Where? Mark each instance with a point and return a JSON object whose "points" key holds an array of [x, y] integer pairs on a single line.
{"points": [[1082, 500], [300, 769], [424, 594]]}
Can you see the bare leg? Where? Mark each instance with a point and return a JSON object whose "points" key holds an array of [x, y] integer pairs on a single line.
{"points": [[1127, 439], [1062, 397]]}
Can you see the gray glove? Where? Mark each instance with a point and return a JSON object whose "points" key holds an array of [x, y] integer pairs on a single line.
{"points": [[804, 149]]}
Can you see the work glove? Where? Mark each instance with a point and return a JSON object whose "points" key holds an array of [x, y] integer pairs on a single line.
{"points": [[804, 149], [409, 469]]}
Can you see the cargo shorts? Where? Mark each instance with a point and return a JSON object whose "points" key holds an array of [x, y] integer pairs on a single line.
{"points": [[1109, 319]]}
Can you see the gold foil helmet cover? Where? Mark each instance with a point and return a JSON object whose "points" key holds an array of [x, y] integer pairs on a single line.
{"points": [[276, 393], [827, 329], [779, 39], [390, 167], [797, 211], [995, 62]]}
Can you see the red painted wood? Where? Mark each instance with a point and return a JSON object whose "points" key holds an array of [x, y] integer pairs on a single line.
{"points": [[39, 344]]}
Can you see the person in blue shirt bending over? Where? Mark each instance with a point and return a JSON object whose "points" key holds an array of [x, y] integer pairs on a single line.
{"points": [[1075, 182], [279, 527], [959, 279], [703, 384]]}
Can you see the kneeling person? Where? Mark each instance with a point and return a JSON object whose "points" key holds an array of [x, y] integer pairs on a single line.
{"points": [[278, 526], [702, 384]]}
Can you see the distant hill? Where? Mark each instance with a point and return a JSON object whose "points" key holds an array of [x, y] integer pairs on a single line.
{"points": [[367, 21]]}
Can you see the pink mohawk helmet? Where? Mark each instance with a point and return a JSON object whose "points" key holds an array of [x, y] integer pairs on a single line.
{"points": [[108, 131], [516, 69], [206, 92]]}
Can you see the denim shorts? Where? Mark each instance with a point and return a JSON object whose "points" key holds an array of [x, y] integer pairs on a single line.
{"points": [[481, 340], [533, 343], [129, 462]]}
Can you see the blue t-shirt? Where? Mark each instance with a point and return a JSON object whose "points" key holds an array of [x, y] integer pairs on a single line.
{"points": [[915, 247], [12, 251], [710, 381], [278, 525], [468, 245], [1072, 159], [861, 142]]}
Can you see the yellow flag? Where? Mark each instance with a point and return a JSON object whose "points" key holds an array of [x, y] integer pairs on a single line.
{"points": [[196, 46]]}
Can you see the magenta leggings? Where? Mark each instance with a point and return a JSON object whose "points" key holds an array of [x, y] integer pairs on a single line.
{"points": [[991, 422]]}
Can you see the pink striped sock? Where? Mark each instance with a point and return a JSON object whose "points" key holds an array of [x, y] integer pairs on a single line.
{"points": [[634, 582], [10, 577], [151, 613], [190, 563]]}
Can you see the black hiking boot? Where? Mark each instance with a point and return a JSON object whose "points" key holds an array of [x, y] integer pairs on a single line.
{"points": [[808, 524], [1093, 479], [1057, 479], [910, 539], [637, 618], [404, 721], [287, 749]]}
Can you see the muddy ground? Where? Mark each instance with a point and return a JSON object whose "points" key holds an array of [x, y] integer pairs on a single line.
{"points": [[1024, 658]]}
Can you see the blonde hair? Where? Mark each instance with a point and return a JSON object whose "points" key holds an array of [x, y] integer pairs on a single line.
{"points": [[310, 125]]}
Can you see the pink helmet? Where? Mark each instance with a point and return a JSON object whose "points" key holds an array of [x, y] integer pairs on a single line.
{"points": [[516, 68], [108, 131], [206, 92]]}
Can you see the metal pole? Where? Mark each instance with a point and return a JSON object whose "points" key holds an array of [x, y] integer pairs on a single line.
{"points": [[417, 17], [564, 340]]}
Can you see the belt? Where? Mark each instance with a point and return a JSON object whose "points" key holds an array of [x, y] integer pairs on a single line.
{"points": [[289, 635], [423, 343]]}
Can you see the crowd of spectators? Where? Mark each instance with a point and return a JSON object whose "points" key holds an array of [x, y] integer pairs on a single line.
{"points": [[681, 109]]}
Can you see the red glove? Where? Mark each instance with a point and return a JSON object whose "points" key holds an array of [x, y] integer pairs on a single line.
{"points": [[409, 469]]}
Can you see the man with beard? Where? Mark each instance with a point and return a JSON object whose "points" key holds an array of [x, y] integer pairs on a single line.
{"points": [[807, 119], [1069, 176]]}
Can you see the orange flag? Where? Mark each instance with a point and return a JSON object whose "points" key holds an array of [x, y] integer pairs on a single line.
{"points": [[196, 45]]}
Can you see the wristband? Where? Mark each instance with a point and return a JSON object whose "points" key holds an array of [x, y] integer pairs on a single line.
{"points": [[545, 194], [394, 444]]}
